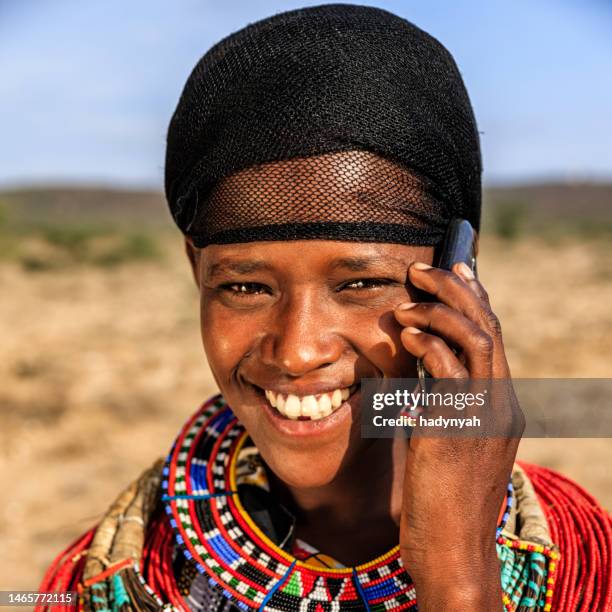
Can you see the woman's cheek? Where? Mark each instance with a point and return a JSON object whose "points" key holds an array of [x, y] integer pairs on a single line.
{"points": [[222, 340], [383, 347], [229, 337]]}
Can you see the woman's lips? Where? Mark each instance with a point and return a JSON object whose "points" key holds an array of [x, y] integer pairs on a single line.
{"points": [[305, 425]]}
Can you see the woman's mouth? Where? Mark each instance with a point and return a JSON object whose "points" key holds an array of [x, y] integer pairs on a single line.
{"points": [[308, 407], [299, 414]]}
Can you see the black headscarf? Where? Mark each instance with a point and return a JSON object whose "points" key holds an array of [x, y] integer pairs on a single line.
{"points": [[309, 83]]}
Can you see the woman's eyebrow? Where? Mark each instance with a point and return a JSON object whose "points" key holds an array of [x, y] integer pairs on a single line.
{"points": [[244, 266], [359, 264]]}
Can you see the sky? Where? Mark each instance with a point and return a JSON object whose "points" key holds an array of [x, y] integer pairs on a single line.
{"points": [[87, 88]]}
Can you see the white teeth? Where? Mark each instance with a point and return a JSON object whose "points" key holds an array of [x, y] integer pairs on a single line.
{"points": [[310, 406], [325, 405], [280, 403], [292, 407]]}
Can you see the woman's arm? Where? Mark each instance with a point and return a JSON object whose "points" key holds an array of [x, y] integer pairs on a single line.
{"points": [[454, 486]]}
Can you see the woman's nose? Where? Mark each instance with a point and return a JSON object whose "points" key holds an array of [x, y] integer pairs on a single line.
{"points": [[303, 337]]}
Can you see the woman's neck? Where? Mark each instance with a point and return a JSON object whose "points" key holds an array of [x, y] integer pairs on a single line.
{"points": [[355, 517]]}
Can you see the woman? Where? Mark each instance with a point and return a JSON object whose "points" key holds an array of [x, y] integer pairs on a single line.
{"points": [[314, 162]]}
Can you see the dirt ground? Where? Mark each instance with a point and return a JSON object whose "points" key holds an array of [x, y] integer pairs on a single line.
{"points": [[99, 368]]}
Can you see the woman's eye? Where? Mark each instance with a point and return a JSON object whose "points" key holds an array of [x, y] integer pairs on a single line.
{"points": [[245, 289], [367, 283]]}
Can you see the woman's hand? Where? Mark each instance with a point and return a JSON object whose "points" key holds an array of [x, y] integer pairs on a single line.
{"points": [[454, 486]]}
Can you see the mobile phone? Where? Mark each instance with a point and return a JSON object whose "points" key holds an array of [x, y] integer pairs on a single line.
{"points": [[460, 244]]}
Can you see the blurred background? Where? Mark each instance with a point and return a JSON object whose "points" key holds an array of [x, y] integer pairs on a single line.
{"points": [[100, 356]]}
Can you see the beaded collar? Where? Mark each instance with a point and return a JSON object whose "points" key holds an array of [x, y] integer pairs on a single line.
{"points": [[216, 534]]}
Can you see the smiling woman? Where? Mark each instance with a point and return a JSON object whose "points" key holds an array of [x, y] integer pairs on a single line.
{"points": [[305, 330], [314, 163]]}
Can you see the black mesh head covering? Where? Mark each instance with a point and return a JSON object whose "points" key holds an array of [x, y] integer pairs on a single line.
{"points": [[338, 121]]}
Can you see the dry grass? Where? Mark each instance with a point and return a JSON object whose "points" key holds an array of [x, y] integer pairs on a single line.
{"points": [[100, 366]]}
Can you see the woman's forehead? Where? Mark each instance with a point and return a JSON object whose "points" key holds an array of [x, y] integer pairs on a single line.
{"points": [[327, 256]]}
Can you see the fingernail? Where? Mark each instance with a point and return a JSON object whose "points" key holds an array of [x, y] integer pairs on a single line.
{"points": [[413, 330], [419, 265], [406, 306], [466, 271]]}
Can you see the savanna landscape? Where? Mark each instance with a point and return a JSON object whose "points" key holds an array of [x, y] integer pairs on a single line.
{"points": [[101, 362]]}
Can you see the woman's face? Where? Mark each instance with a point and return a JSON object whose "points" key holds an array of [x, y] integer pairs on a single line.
{"points": [[290, 328]]}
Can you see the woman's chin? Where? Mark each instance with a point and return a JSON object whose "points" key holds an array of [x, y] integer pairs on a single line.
{"points": [[299, 475]]}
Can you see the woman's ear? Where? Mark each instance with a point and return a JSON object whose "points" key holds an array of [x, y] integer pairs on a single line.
{"points": [[193, 254]]}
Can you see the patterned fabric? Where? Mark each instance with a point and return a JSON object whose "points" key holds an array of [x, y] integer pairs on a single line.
{"points": [[250, 472], [136, 557]]}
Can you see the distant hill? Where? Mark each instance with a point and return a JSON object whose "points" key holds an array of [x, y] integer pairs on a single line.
{"points": [[571, 200], [540, 203], [68, 205], [549, 209]]}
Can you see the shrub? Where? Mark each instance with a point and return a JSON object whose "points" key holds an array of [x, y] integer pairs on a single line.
{"points": [[131, 247], [508, 219], [74, 239]]}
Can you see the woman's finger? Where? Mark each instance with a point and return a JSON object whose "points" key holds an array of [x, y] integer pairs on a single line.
{"points": [[437, 357], [464, 271], [453, 291], [475, 344]]}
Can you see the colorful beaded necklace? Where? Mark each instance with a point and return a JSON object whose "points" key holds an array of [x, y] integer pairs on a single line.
{"points": [[213, 530]]}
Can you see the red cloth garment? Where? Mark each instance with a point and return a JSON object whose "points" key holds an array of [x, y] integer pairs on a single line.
{"points": [[582, 530]]}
